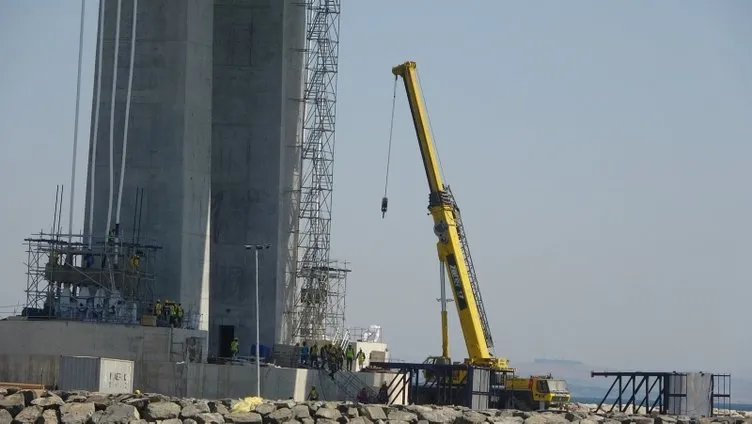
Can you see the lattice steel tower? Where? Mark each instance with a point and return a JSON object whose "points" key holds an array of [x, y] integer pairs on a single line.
{"points": [[317, 312]]}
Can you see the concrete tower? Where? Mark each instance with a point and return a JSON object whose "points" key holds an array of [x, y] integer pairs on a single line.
{"points": [[256, 121], [169, 140], [214, 142]]}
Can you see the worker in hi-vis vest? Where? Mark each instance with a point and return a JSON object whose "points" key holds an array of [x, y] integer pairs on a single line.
{"points": [[313, 395], [235, 348], [349, 356], [361, 358]]}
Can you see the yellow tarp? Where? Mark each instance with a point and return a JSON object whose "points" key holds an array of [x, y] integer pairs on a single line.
{"points": [[247, 404]]}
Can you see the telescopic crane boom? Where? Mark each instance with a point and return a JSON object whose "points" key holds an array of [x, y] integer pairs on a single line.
{"points": [[527, 393], [452, 246]]}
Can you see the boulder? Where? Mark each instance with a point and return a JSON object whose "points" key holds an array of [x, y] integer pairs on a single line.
{"points": [[52, 401], [245, 418], [162, 410], [210, 418], [49, 416], [119, 413], [28, 415], [14, 403], [76, 413]]}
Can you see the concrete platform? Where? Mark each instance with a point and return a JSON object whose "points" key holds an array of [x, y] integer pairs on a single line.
{"points": [[167, 361]]}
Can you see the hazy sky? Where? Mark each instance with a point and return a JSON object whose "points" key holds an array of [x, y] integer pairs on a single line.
{"points": [[600, 152]]}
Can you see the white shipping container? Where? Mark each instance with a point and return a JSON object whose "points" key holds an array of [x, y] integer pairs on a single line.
{"points": [[95, 374], [115, 376]]}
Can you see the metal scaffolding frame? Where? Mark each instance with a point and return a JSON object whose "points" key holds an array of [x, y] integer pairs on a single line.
{"points": [[109, 282], [317, 311], [322, 303]]}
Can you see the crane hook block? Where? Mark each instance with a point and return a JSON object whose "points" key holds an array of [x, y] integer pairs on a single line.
{"points": [[384, 204]]}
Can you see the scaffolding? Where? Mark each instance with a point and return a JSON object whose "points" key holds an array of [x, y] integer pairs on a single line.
{"points": [[317, 311], [108, 281], [323, 303]]}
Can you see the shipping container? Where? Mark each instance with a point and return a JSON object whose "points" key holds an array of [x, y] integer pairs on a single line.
{"points": [[95, 374]]}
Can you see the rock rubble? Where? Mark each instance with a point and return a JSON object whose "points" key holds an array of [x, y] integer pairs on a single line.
{"points": [[79, 407]]}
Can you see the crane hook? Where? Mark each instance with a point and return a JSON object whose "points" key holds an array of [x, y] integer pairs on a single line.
{"points": [[384, 204]]}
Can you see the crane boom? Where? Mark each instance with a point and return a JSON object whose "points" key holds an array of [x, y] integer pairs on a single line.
{"points": [[452, 247]]}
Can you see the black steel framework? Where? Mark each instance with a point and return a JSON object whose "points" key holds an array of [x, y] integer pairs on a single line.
{"points": [[475, 390], [721, 391], [654, 392]]}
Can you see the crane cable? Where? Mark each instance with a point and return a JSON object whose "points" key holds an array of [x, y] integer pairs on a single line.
{"points": [[385, 199]]}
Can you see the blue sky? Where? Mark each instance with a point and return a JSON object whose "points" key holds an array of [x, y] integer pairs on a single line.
{"points": [[600, 153]]}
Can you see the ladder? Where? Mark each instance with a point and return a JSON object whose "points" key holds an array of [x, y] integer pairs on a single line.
{"points": [[344, 341], [470, 269], [341, 339]]}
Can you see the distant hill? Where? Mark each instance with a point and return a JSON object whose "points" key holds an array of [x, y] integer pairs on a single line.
{"points": [[582, 386]]}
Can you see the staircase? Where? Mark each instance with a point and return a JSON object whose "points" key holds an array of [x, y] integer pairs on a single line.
{"points": [[349, 383]]}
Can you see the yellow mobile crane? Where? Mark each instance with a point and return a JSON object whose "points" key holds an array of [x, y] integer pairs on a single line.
{"points": [[454, 254]]}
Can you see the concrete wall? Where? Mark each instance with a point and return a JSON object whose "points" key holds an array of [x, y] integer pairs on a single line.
{"points": [[90, 339], [209, 381], [169, 139], [31, 350], [257, 86], [206, 381]]}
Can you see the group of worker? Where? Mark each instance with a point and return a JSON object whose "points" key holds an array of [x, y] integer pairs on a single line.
{"points": [[363, 395], [329, 356], [170, 313], [134, 260]]}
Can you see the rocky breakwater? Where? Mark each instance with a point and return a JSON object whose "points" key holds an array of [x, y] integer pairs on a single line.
{"points": [[44, 407]]}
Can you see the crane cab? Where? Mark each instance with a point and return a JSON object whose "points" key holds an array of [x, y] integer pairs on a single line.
{"points": [[535, 392], [457, 377]]}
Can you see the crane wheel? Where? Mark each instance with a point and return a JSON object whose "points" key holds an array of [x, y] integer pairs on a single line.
{"points": [[514, 402]]}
